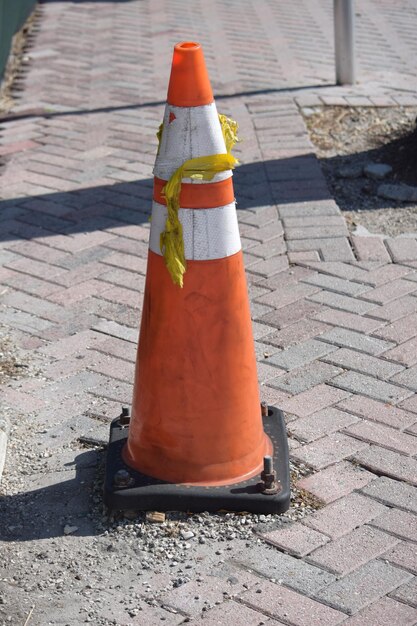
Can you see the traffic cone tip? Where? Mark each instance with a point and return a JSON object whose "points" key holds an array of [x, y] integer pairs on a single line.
{"points": [[189, 84]]}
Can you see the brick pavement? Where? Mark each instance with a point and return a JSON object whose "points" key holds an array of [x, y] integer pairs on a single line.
{"points": [[334, 316]]}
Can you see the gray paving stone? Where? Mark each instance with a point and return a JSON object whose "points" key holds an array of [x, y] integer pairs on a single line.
{"points": [[344, 303], [362, 587], [407, 593], [382, 461], [393, 493], [307, 377], [286, 569], [358, 341], [363, 363], [338, 285], [408, 378], [300, 355], [370, 387]]}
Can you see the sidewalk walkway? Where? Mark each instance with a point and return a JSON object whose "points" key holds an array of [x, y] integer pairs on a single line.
{"points": [[335, 321]]}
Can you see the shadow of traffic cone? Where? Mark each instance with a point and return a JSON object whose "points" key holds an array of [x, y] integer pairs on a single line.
{"points": [[196, 421]]}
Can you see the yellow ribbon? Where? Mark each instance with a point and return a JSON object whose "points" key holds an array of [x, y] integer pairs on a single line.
{"points": [[201, 168]]}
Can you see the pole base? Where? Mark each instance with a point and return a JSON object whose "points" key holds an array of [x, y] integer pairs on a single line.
{"points": [[128, 489]]}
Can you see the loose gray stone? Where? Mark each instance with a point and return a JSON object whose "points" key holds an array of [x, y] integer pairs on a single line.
{"points": [[349, 171], [402, 193], [377, 171]]}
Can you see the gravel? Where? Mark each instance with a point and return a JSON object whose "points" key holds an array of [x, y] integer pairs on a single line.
{"points": [[357, 148], [65, 555]]}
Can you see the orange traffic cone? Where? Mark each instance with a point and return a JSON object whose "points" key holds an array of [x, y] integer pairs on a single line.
{"points": [[196, 418]]}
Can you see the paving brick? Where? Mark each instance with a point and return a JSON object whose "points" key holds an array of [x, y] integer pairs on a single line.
{"points": [[346, 271], [363, 587], [395, 310], [121, 295], [327, 450], [234, 612], [273, 397], [384, 612], [34, 286], [336, 481], [404, 555], [407, 593], [268, 373], [393, 493], [278, 566], [410, 404], [344, 515], [412, 429], [385, 462], [117, 348], [302, 354], [312, 400], [290, 314], [402, 249], [358, 341], [296, 333], [331, 249], [348, 553], [295, 539], [299, 380], [390, 291], [370, 249], [363, 363], [386, 273], [110, 366], [268, 267], [399, 523], [35, 306], [113, 329], [75, 344], [307, 255], [20, 401], [349, 320], [384, 436], [371, 387], [32, 267], [344, 303], [338, 285], [269, 249], [261, 330], [78, 292], [316, 232], [308, 209], [377, 411], [322, 423], [281, 603], [191, 597], [264, 233], [287, 295], [406, 353], [23, 321], [407, 377]]}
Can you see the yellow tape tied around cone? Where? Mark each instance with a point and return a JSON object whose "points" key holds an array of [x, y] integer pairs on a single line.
{"points": [[202, 168]]}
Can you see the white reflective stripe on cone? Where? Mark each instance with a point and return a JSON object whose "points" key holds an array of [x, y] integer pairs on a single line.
{"points": [[208, 233], [192, 132]]}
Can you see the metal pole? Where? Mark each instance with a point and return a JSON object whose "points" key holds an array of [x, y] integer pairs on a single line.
{"points": [[344, 37]]}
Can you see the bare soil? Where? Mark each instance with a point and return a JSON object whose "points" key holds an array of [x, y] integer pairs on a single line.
{"points": [[352, 137]]}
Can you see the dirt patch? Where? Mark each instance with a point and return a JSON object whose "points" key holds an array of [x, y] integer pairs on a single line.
{"points": [[10, 366], [349, 138]]}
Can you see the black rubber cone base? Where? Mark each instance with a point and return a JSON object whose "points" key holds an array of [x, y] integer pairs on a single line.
{"points": [[143, 493]]}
